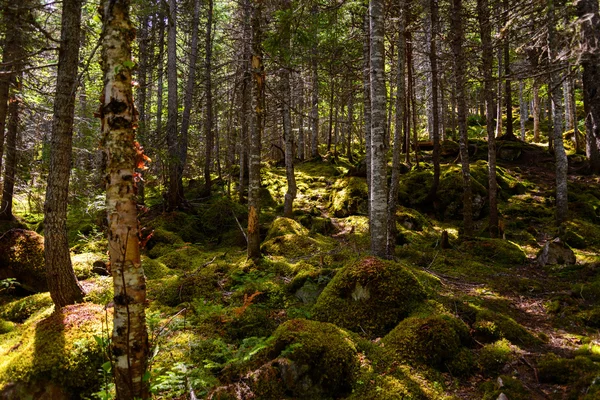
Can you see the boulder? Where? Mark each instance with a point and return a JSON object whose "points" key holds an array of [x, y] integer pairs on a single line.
{"points": [[22, 258], [555, 252]]}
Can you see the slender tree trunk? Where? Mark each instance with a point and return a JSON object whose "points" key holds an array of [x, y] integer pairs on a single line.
{"points": [[258, 73], [142, 75], [433, 5], [331, 106], [4, 85], [398, 134], [412, 94], [62, 282], [499, 96], [510, 134], [366, 70], [286, 92], [10, 166], [456, 21], [209, 120], [175, 192], [160, 73], [301, 134], [557, 114], [182, 142], [314, 113], [246, 106], [522, 109], [589, 17], [485, 32], [130, 339], [536, 111], [573, 114], [378, 188], [350, 124]]}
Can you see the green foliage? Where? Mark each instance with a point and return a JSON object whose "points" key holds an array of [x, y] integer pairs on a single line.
{"points": [[502, 252], [21, 309], [511, 387], [348, 197], [493, 356]]}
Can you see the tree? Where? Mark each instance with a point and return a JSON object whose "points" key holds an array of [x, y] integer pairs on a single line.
{"points": [[118, 116], [433, 11], [258, 73], [62, 282], [378, 187], [589, 19], [208, 123]]}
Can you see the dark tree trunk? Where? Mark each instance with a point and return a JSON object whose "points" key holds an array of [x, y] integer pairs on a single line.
{"points": [[433, 5], [209, 120], [62, 282]]}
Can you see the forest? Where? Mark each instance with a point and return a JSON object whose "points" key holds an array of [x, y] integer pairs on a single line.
{"points": [[285, 199]]}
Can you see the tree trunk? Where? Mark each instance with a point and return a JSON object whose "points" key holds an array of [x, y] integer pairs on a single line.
{"points": [[378, 187], [182, 143], [499, 96], [485, 31], [522, 109], [62, 282], [286, 92], [314, 113], [117, 111], [433, 5], [456, 21], [366, 75], [246, 106], [399, 135], [301, 135], [560, 155], [160, 73], [587, 11], [536, 111], [10, 166], [510, 134], [258, 73], [209, 120], [350, 124], [175, 192]]}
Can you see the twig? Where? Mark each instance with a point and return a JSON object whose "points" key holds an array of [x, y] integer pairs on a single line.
{"points": [[537, 379], [240, 225]]}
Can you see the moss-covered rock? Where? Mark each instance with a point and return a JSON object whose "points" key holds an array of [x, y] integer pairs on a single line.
{"points": [[435, 340], [512, 388], [554, 369], [154, 269], [369, 296], [83, 264], [285, 226], [22, 258], [494, 356], [183, 258], [490, 326], [57, 348], [6, 326], [498, 251], [21, 309], [349, 197]]}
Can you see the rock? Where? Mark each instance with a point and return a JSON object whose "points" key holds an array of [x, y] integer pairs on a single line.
{"points": [[22, 258], [309, 292], [33, 391], [502, 397], [99, 268], [555, 252], [508, 152]]}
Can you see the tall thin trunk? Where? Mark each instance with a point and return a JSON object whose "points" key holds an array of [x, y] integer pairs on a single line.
{"points": [[366, 75], [209, 120], [485, 31], [510, 134], [175, 191], [499, 95], [301, 134], [434, 8], [62, 282], [246, 106], [456, 21], [378, 189], [130, 338], [412, 94], [350, 124], [589, 17], [536, 111], [573, 113], [331, 106], [143, 46], [560, 155], [258, 73], [399, 135], [182, 142], [314, 113], [160, 73], [10, 167], [522, 109], [286, 92]]}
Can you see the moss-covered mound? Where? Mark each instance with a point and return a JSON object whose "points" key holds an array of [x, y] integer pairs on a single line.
{"points": [[435, 340], [285, 226], [21, 309], [56, 348], [499, 251], [349, 197], [22, 258], [369, 296]]}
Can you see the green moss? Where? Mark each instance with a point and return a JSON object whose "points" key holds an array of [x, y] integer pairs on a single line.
{"points": [[99, 290], [294, 247], [490, 325], [22, 257], [285, 226], [499, 251], [184, 258], [21, 309], [84, 262], [511, 387], [493, 356], [436, 341], [554, 369], [186, 226], [154, 269], [57, 348], [6, 326], [348, 197], [323, 358], [369, 296]]}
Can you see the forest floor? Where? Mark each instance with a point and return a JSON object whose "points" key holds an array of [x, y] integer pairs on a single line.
{"points": [[316, 318]]}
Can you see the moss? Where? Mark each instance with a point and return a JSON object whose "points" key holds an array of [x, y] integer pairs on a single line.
{"points": [[285, 226], [21, 309], [57, 348], [99, 290], [83, 263], [511, 387], [490, 325], [494, 356], [154, 269], [22, 257], [323, 358], [348, 197], [436, 340], [294, 247], [369, 296], [574, 239], [6, 326], [496, 250], [184, 258], [186, 226], [554, 369]]}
